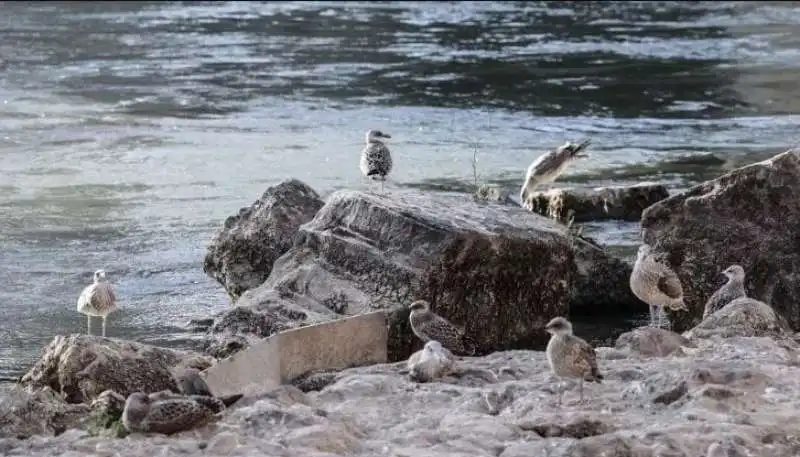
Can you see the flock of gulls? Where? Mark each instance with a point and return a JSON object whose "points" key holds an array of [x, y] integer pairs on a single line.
{"points": [[569, 357]]}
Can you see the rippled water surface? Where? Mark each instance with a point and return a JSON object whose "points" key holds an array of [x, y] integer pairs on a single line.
{"points": [[129, 130]]}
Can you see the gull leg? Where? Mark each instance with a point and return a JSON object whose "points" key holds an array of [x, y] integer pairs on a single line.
{"points": [[104, 326], [88, 324], [653, 310], [580, 389], [561, 389], [382, 180]]}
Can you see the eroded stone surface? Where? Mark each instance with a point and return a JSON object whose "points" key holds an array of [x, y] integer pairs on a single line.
{"points": [[242, 252], [81, 367], [742, 393], [739, 218], [601, 203], [495, 269]]}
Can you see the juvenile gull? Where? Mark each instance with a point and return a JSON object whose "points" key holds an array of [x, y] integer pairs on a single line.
{"points": [[729, 292], [376, 160], [430, 363], [570, 356], [428, 326], [655, 283], [97, 299], [168, 413], [550, 165]]}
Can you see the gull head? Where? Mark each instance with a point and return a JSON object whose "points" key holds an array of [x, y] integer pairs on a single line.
{"points": [[137, 406], [99, 275], [419, 306], [558, 326], [734, 272], [375, 136], [433, 347]]}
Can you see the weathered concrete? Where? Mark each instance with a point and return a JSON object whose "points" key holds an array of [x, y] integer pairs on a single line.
{"points": [[495, 269], [744, 217], [284, 356], [243, 250], [601, 203]]}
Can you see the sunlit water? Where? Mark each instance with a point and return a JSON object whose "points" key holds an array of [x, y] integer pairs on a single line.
{"points": [[129, 130]]}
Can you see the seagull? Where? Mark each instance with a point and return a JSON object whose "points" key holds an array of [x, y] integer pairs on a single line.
{"points": [[97, 299], [570, 356], [432, 362], [729, 292], [550, 165], [169, 413], [429, 326], [655, 283], [376, 160]]}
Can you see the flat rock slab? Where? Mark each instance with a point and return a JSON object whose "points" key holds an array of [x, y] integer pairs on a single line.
{"points": [[746, 217], [601, 203]]}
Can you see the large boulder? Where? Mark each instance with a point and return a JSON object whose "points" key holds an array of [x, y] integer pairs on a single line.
{"points": [[495, 269], [81, 367], [745, 217], [242, 252]]}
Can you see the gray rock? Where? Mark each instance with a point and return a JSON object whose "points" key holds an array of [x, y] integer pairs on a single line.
{"points": [[495, 269], [601, 203], [741, 217], [652, 342], [242, 252], [737, 392], [81, 367], [742, 317], [41, 411]]}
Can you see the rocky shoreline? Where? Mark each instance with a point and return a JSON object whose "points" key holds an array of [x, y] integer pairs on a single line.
{"points": [[291, 259]]}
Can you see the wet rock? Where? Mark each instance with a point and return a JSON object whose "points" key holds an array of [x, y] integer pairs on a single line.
{"points": [[81, 367], [364, 252], [237, 328], [742, 317], [742, 218], [242, 252], [601, 203], [652, 342]]}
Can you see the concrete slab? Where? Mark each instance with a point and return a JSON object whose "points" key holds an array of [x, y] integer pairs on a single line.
{"points": [[352, 341]]}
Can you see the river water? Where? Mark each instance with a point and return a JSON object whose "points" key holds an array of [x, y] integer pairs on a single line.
{"points": [[130, 130]]}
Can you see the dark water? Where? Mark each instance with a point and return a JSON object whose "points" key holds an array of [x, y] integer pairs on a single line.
{"points": [[129, 130]]}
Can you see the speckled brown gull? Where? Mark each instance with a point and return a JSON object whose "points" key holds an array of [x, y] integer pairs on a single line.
{"points": [[730, 291], [429, 326], [570, 356], [168, 413], [97, 299], [430, 363], [656, 284], [549, 166], [376, 160]]}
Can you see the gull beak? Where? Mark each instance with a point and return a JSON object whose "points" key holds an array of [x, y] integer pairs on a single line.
{"points": [[386, 135], [581, 155]]}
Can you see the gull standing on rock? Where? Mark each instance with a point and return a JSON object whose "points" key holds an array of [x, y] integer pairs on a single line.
{"points": [[376, 160], [549, 166], [430, 363], [729, 292], [97, 299], [429, 326], [169, 413], [655, 283], [570, 356]]}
